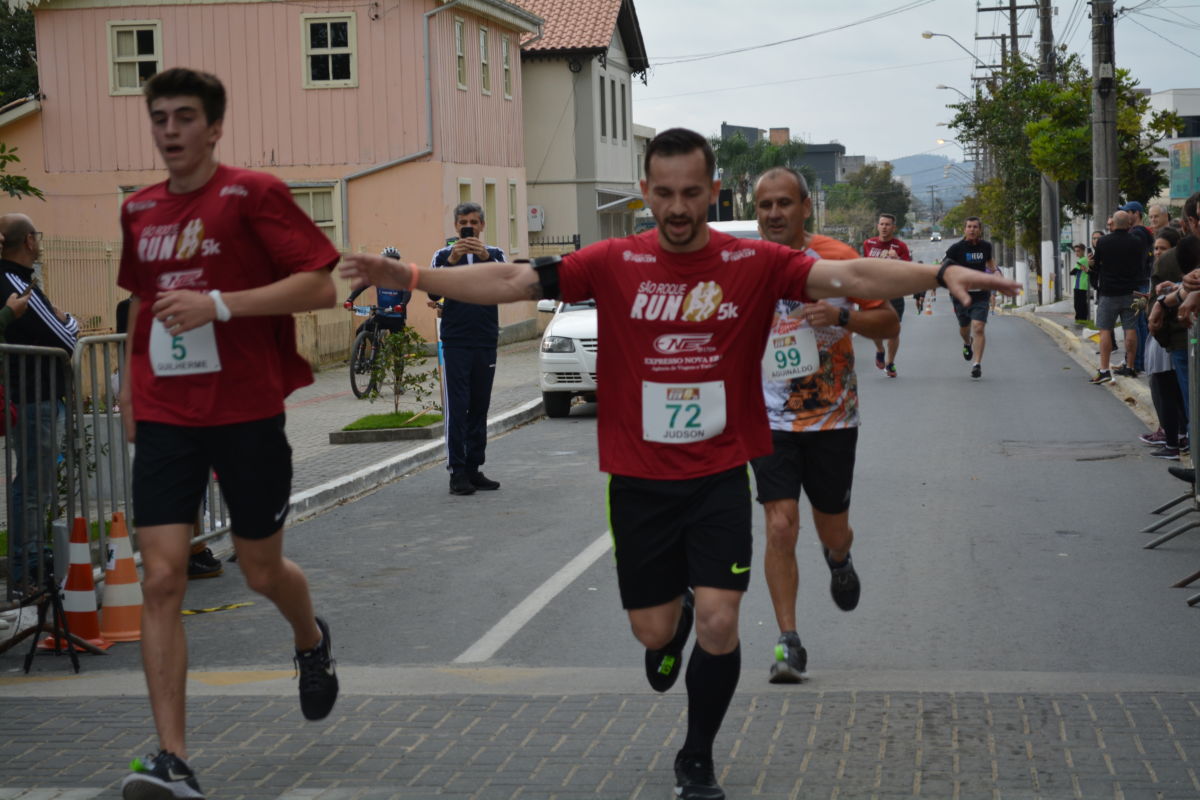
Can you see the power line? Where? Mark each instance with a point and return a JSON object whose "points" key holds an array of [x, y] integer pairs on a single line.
{"points": [[687, 59], [1159, 35]]}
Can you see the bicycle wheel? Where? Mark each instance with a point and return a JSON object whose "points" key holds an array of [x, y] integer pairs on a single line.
{"points": [[362, 363]]}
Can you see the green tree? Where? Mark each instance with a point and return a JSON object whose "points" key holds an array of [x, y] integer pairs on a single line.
{"points": [[15, 185], [875, 187], [18, 54], [741, 163], [1028, 126]]}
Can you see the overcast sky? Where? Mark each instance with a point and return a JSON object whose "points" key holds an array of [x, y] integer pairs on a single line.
{"points": [[871, 84]]}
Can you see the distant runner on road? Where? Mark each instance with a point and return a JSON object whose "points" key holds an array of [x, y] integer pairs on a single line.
{"points": [[685, 311], [886, 245], [975, 253]]}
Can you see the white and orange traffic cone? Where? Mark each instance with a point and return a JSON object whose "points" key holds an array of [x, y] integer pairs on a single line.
{"points": [[79, 596], [121, 618], [929, 298]]}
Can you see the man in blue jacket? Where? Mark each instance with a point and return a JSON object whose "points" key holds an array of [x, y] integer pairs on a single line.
{"points": [[469, 334]]}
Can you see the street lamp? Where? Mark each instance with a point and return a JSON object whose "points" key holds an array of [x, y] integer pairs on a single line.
{"points": [[931, 34], [951, 88]]}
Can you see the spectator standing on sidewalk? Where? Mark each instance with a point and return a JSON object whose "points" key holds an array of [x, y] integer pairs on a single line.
{"points": [[1138, 229], [469, 333], [1166, 334], [1082, 295], [1118, 269], [38, 398]]}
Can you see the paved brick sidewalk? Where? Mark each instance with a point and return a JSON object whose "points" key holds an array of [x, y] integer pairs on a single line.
{"points": [[810, 744]]}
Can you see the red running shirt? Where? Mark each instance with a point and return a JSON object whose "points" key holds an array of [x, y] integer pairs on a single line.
{"points": [[876, 247], [679, 366], [241, 230]]}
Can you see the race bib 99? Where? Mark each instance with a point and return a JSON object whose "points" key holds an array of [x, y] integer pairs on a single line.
{"points": [[791, 355]]}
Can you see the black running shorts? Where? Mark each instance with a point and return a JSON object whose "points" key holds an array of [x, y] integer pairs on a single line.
{"points": [[822, 462], [977, 311], [669, 535], [898, 304], [253, 462]]}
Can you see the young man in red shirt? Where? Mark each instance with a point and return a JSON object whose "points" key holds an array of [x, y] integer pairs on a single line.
{"points": [[217, 260], [685, 312], [886, 245]]}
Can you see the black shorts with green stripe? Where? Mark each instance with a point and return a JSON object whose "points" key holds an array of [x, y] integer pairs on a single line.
{"points": [[672, 534]]}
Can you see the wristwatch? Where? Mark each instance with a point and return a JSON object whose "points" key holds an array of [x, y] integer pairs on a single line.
{"points": [[843, 317]]}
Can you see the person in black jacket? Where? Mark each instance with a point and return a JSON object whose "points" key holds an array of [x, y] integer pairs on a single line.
{"points": [[1120, 271], [38, 395], [469, 334]]}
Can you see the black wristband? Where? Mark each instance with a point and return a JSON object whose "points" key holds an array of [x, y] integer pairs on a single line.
{"points": [[547, 272], [941, 274]]}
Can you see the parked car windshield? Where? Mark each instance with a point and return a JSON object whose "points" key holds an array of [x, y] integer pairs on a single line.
{"points": [[585, 304]]}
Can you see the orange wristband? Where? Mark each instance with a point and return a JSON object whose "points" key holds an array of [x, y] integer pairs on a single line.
{"points": [[413, 272]]}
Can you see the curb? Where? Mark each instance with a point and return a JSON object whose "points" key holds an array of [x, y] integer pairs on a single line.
{"points": [[331, 493], [1132, 392]]}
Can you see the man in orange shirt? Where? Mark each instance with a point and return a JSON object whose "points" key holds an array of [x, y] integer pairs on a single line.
{"points": [[810, 390]]}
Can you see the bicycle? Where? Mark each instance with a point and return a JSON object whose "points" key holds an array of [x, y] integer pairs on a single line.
{"points": [[364, 353]]}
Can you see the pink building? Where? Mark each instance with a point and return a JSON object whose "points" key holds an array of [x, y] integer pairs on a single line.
{"points": [[381, 116]]}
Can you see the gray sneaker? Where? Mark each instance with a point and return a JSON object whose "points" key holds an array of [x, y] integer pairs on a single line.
{"points": [[791, 660]]}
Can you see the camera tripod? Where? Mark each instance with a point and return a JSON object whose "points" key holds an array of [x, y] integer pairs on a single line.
{"points": [[49, 603]]}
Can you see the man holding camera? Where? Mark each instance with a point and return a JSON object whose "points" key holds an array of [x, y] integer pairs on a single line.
{"points": [[469, 333]]}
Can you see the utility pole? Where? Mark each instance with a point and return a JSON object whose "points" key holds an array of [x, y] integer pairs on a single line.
{"points": [[1104, 113], [1050, 260], [1010, 48]]}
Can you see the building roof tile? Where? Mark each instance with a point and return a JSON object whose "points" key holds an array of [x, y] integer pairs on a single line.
{"points": [[574, 24]]}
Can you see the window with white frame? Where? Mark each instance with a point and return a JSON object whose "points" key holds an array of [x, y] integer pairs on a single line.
{"points": [[613, 87], [320, 203], [485, 66], [464, 190], [506, 63], [330, 50], [512, 218], [135, 54], [489, 211], [460, 51], [624, 119]]}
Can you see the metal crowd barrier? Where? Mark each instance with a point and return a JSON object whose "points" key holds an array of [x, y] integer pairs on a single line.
{"points": [[88, 470], [40, 462]]}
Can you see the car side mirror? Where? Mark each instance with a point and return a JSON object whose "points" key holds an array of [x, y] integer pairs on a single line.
{"points": [[547, 305]]}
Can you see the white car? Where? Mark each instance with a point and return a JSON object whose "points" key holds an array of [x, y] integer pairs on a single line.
{"points": [[741, 228], [567, 361]]}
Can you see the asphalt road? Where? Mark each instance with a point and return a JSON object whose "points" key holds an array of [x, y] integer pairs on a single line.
{"points": [[996, 530]]}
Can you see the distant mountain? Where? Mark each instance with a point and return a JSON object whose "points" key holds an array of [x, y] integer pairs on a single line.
{"points": [[926, 170]]}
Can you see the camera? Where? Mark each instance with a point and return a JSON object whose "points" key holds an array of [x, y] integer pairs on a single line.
{"points": [[466, 232]]}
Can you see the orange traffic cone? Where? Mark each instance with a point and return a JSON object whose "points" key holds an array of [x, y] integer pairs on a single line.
{"points": [[121, 619], [929, 303], [79, 596]]}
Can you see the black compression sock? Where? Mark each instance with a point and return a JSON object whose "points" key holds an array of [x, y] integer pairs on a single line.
{"points": [[711, 681]]}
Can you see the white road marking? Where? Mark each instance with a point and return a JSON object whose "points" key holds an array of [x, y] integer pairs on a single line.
{"points": [[513, 621], [22, 793]]}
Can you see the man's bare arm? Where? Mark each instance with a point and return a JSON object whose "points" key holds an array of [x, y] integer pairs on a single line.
{"points": [[878, 278], [483, 284]]}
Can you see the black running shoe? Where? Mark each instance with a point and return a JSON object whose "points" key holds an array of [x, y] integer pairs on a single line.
{"points": [[843, 583], [318, 677], [791, 660], [483, 482], [976, 371], [460, 483], [695, 778], [204, 565], [663, 666], [161, 777], [967, 352]]}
